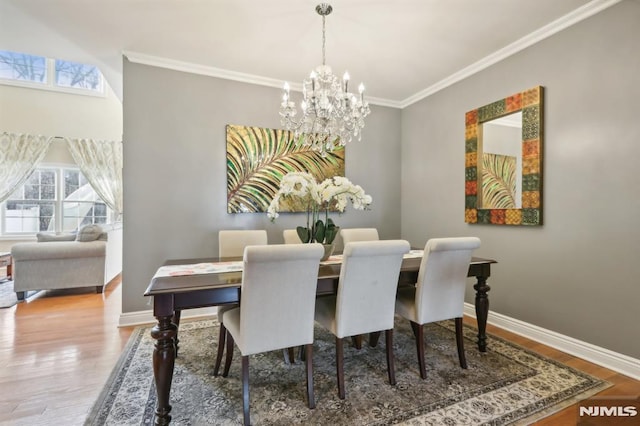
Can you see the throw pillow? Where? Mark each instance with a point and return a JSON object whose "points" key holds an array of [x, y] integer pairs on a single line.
{"points": [[89, 233], [45, 237]]}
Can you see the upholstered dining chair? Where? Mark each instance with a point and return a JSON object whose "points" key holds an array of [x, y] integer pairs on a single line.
{"points": [[439, 292], [350, 235], [291, 236], [365, 299], [358, 234], [262, 323], [231, 243]]}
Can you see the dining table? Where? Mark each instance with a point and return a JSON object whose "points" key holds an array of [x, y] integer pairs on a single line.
{"points": [[181, 284]]}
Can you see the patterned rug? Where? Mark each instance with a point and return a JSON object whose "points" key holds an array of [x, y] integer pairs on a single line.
{"points": [[7, 295], [506, 385]]}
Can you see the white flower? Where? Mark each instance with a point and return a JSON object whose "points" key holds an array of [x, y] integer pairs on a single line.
{"points": [[332, 193], [297, 184]]}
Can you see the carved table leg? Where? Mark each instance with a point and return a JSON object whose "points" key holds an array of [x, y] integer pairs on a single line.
{"points": [[482, 311], [164, 354], [176, 321]]}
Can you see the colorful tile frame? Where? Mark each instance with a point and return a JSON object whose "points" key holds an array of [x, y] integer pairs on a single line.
{"points": [[530, 102]]}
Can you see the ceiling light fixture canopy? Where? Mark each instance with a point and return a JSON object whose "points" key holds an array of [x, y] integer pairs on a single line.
{"points": [[331, 115]]}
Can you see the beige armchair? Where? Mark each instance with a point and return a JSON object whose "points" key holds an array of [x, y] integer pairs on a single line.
{"points": [[366, 296], [262, 323], [439, 293]]}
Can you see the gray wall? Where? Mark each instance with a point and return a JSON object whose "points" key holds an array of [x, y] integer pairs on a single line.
{"points": [[576, 274], [175, 169]]}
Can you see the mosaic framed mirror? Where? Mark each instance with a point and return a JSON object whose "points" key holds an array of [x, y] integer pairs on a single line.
{"points": [[503, 161]]}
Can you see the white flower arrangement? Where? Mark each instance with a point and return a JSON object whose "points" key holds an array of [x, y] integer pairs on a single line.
{"points": [[332, 193]]}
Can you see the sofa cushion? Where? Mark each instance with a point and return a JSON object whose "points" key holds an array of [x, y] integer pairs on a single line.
{"points": [[44, 237], [59, 250], [89, 233]]}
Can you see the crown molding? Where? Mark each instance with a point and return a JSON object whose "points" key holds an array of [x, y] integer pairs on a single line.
{"points": [[548, 30], [190, 67]]}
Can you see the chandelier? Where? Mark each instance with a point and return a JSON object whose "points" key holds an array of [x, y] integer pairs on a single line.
{"points": [[331, 115]]}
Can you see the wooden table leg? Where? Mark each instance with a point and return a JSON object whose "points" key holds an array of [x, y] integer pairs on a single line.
{"points": [[164, 354], [482, 311], [176, 320]]}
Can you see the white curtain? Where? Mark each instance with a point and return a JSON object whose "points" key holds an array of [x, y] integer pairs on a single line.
{"points": [[101, 163], [19, 156]]}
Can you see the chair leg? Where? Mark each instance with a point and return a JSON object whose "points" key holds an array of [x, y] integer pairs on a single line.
{"points": [[245, 390], [227, 360], [390, 365], [340, 367], [311, 400], [357, 341], [302, 353], [373, 338], [291, 355], [460, 343], [414, 328], [222, 334], [419, 332]]}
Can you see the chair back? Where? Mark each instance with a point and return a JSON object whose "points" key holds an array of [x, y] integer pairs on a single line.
{"points": [[277, 301], [231, 243], [291, 236], [350, 235], [442, 278], [367, 286]]}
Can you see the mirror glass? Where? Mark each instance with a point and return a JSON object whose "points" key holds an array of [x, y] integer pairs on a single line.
{"points": [[501, 165], [503, 161]]}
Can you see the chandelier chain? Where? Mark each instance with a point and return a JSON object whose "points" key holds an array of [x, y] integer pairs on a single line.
{"points": [[324, 40]]}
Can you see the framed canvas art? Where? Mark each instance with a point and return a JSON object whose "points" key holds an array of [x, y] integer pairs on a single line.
{"points": [[258, 158]]}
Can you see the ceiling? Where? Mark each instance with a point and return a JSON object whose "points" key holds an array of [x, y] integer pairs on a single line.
{"points": [[402, 50]]}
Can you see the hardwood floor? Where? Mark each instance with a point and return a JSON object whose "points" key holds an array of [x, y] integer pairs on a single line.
{"points": [[58, 349]]}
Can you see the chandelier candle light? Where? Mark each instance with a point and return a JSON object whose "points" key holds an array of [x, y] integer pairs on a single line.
{"points": [[330, 113]]}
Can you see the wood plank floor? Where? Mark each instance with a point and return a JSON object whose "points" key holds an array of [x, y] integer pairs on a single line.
{"points": [[58, 349]]}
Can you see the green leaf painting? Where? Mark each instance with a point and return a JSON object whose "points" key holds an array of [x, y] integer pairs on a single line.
{"points": [[258, 158], [498, 181]]}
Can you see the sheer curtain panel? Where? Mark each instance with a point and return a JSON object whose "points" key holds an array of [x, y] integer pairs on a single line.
{"points": [[101, 163], [19, 156]]}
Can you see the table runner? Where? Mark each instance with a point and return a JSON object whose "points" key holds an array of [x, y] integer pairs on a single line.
{"points": [[236, 266]]}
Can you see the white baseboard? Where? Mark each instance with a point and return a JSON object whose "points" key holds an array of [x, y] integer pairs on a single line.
{"points": [[146, 317], [620, 363]]}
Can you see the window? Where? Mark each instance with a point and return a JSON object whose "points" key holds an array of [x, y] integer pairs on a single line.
{"points": [[81, 205], [31, 208], [23, 69], [79, 76], [53, 200], [20, 66]]}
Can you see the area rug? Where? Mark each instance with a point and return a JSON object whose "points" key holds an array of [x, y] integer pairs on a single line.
{"points": [[7, 295], [506, 385]]}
